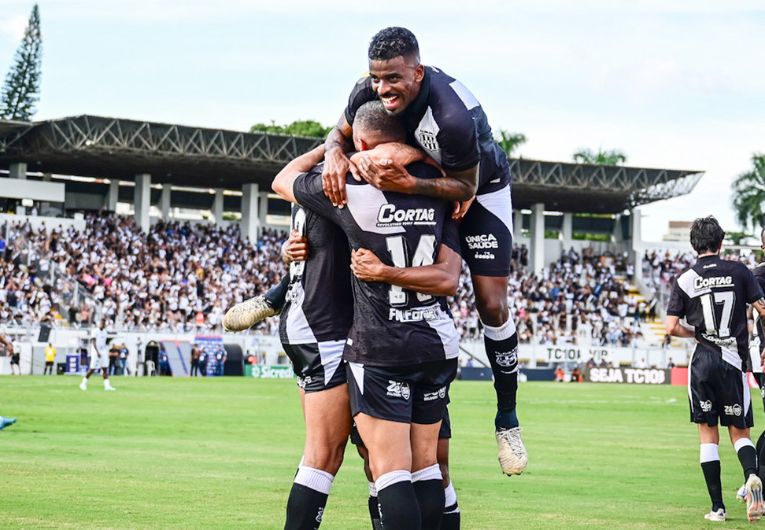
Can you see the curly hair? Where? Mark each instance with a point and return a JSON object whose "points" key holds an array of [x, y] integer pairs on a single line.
{"points": [[393, 42]]}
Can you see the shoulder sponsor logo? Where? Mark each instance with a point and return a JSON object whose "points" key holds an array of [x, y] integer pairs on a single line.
{"points": [[481, 241], [398, 389], [706, 406], [427, 139], [732, 410], [390, 215], [715, 281]]}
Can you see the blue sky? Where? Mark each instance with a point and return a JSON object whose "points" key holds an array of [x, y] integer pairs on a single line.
{"points": [[673, 84]]}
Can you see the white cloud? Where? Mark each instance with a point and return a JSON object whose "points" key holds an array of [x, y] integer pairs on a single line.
{"points": [[12, 27]]}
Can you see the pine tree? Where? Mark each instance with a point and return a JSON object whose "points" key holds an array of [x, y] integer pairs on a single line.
{"points": [[22, 84]]}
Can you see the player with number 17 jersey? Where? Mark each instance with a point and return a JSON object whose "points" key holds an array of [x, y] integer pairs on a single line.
{"points": [[712, 296], [392, 326]]}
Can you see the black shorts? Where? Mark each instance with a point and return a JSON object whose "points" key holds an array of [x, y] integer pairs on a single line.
{"points": [[318, 366], [444, 433], [486, 233], [15, 358], [718, 391], [406, 394]]}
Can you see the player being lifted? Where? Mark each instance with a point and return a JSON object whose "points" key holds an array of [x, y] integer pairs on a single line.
{"points": [[402, 345], [712, 296], [447, 121]]}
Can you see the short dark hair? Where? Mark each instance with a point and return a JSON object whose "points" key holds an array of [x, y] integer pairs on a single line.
{"points": [[372, 116], [393, 42], [706, 235]]}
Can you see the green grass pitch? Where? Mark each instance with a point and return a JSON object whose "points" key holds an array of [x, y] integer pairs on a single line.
{"points": [[221, 453]]}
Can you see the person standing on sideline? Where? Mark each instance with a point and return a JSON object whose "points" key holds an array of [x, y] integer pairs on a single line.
{"points": [[194, 361], [99, 358], [712, 296], [50, 357]]}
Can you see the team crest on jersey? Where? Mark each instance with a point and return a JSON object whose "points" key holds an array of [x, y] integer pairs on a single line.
{"points": [[390, 215], [508, 358], [706, 406], [427, 140], [398, 389]]}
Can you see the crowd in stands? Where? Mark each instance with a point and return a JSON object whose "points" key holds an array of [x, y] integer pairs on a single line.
{"points": [[578, 299], [183, 276], [178, 276]]}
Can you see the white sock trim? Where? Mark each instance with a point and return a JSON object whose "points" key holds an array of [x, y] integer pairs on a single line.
{"points": [[742, 442], [450, 496], [372, 489], [429, 473], [505, 331], [392, 477], [709, 453], [316, 479]]}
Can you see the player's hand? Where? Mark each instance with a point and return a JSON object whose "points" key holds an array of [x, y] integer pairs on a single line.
{"points": [[397, 152], [367, 266], [461, 208], [336, 167], [295, 248], [386, 175]]}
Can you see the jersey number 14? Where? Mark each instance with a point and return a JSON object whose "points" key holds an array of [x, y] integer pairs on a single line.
{"points": [[423, 255]]}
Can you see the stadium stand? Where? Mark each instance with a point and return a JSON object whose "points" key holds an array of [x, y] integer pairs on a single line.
{"points": [[182, 277], [178, 276]]}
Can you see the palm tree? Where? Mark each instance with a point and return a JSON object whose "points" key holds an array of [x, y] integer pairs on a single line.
{"points": [[749, 194], [603, 157], [509, 142]]}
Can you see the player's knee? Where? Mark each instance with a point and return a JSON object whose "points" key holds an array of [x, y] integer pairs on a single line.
{"points": [[493, 310], [327, 457]]}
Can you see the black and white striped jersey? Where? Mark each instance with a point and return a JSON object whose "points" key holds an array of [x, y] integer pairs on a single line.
{"points": [[392, 326], [712, 296], [448, 123], [319, 305]]}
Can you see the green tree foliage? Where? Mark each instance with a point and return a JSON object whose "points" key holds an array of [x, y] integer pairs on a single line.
{"points": [[509, 142], [601, 157], [22, 84], [749, 194], [310, 128]]}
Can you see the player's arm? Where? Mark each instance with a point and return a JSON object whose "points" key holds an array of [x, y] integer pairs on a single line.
{"points": [[389, 175], [336, 161], [674, 328], [759, 306], [284, 181], [439, 279]]}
